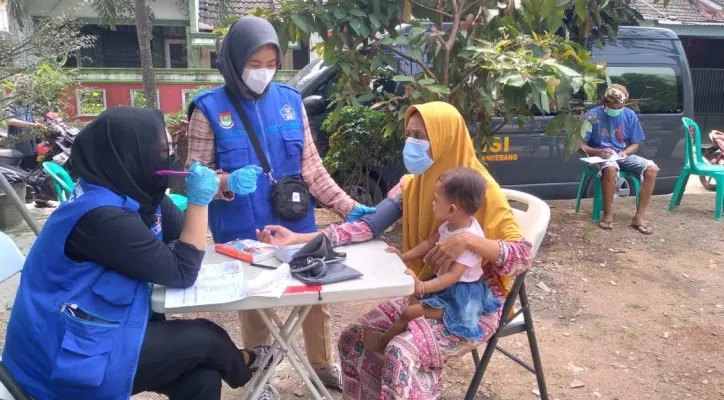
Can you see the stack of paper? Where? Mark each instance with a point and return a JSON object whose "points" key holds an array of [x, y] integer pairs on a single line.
{"points": [[225, 283], [598, 160]]}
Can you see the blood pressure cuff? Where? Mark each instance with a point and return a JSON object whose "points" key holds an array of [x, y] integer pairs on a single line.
{"points": [[317, 263], [388, 212]]}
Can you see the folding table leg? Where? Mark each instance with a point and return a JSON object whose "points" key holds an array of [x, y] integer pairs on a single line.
{"points": [[305, 362], [281, 334], [285, 338], [267, 358]]}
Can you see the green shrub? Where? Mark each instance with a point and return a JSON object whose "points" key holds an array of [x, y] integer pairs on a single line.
{"points": [[359, 146]]}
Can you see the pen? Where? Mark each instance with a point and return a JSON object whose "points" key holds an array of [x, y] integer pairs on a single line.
{"points": [[263, 266], [170, 172]]}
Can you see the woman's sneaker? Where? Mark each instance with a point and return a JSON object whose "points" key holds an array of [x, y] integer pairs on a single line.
{"points": [[269, 393], [260, 352]]}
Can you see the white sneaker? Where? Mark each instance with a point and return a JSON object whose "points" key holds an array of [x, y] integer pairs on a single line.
{"points": [[331, 376], [259, 353], [269, 393]]}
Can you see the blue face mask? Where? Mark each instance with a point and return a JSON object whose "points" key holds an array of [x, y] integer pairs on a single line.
{"points": [[416, 156], [613, 113]]}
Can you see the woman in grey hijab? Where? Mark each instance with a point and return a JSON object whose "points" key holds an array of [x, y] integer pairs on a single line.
{"points": [[249, 58]]}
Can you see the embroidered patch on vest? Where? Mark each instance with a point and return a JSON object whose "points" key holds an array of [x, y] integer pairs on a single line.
{"points": [[288, 113], [225, 120]]}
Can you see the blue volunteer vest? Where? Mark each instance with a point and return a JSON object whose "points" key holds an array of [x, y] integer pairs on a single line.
{"points": [[277, 120], [51, 352]]}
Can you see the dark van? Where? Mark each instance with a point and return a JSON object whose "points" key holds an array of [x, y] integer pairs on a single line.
{"points": [[650, 62]]}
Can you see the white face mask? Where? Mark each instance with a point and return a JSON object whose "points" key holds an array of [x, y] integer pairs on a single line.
{"points": [[258, 79]]}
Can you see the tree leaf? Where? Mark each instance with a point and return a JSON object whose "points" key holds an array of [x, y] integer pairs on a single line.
{"points": [[366, 97], [439, 89], [586, 127], [346, 67], [302, 24], [400, 41], [403, 78], [515, 80], [340, 13], [581, 9], [376, 62], [426, 81], [416, 53], [359, 27], [545, 102], [555, 126], [569, 72], [376, 22]]}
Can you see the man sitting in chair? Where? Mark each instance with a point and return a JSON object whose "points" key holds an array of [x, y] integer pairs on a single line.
{"points": [[616, 131]]}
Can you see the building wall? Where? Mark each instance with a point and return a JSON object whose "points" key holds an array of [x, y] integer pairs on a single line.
{"points": [[205, 58], [162, 9], [116, 86]]}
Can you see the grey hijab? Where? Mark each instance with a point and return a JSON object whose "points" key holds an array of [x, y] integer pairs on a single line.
{"points": [[245, 37]]}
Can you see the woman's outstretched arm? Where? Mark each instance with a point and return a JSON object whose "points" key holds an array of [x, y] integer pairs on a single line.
{"points": [[388, 212]]}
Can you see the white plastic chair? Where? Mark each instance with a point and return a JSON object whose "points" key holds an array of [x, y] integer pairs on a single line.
{"points": [[534, 220], [12, 262], [534, 223]]}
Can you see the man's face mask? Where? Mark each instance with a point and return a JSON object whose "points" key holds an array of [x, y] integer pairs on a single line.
{"points": [[613, 113], [257, 80]]}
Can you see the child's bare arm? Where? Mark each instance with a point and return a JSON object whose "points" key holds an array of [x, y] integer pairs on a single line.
{"points": [[421, 249], [445, 280]]}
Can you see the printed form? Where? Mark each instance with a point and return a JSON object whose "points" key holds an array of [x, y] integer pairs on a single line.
{"points": [[225, 283]]}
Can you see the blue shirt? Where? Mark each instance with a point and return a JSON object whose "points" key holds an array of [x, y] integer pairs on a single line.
{"points": [[613, 132]]}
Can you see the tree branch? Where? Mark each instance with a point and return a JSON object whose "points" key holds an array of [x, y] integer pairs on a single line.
{"points": [[438, 11], [468, 74], [408, 58], [473, 5], [457, 15], [497, 128]]}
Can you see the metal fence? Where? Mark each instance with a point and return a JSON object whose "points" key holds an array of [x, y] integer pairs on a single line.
{"points": [[708, 90]]}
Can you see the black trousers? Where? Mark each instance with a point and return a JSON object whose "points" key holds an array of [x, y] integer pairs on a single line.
{"points": [[187, 359]]}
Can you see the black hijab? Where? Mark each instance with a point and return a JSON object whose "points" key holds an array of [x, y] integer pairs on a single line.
{"points": [[245, 37], [121, 150]]}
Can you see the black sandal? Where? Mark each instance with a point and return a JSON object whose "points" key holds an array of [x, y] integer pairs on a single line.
{"points": [[606, 225], [642, 228]]}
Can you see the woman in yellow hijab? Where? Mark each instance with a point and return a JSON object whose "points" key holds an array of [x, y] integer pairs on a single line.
{"points": [[437, 141]]}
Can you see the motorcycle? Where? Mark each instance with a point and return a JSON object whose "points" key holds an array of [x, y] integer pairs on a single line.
{"points": [[714, 155], [56, 148]]}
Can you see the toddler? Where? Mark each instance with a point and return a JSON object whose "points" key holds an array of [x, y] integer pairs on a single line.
{"points": [[456, 295]]}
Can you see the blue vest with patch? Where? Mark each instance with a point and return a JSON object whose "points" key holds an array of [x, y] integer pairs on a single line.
{"points": [[51, 352], [277, 120]]}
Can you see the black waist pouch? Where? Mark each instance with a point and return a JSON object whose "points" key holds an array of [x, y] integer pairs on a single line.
{"points": [[318, 264], [290, 198]]}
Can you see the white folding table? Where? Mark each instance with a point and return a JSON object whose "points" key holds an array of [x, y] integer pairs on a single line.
{"points": [[384, 277]]}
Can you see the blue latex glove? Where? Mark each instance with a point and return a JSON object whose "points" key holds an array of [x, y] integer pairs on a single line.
{"points": [[202, 185], [243, 180], [358, 212]]}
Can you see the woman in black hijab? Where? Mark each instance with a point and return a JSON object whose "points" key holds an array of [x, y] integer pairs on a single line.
{"points": [[97, 255]]}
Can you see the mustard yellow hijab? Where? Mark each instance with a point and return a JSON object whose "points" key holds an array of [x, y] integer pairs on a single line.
{"points": [[451, 147]]}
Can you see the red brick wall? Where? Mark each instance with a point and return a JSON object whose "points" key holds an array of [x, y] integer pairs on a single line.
{"points": [[119, 94]]}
